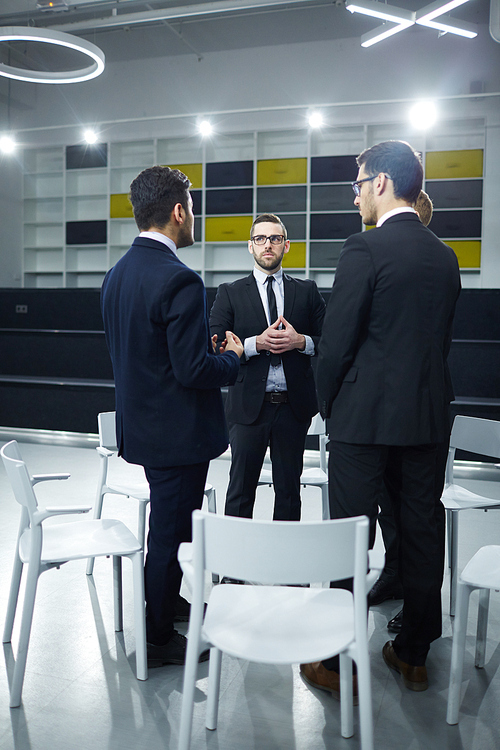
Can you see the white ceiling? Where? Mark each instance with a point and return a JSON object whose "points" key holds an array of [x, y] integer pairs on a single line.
{"points": [[205, 31]]}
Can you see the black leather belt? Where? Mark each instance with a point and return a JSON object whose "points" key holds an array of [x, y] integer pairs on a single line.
{"points": [[276, 397]]}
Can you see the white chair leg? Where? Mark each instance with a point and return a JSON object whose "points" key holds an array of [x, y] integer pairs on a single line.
{"points": [[190, 671], [365, 702], [141, 524], [325, 502], [15, 583], [211, 500], [117, 592], [98, 506], [453, 554], [213, 688], [16, 687], [346, 700], [482, 627], [141, 661], [448, 535], [457, 652]]}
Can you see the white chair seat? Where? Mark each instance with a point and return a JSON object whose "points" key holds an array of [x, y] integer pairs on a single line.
{"points": [[63, 542], [264, 624], [484, 568], [455, 497]]}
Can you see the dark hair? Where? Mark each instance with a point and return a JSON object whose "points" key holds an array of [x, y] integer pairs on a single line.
{"points": [[271, 218], [398, 160], [154, 193]]}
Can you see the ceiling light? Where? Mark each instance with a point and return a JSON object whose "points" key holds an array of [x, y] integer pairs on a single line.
{"points": [[381, 10], [315, 120], [423, 115], [7, 144], [90, 136], [49, 36], [437, 8], [383, 32], [448, 24], [205, 128]]}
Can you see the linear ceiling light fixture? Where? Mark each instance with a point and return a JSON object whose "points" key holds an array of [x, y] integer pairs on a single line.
{"points": [[59, 38], [398, 19]]}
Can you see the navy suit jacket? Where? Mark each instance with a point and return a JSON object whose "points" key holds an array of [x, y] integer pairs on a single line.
{"points": [[238, 307], [169, 408], [382, 374]]}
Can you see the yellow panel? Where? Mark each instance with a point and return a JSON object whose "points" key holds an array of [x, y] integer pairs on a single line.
{"points": [[296, 256], [468, 252], [120, 207], [227, 228], [281, 171], [193, 171], [441, 164]]}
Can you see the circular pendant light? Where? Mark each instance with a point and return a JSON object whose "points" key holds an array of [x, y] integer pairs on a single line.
{"points": [[48, 36]]}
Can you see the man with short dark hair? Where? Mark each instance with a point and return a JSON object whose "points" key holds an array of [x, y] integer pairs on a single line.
{"points": [[274, 396], [384, 383], [169, 415]]}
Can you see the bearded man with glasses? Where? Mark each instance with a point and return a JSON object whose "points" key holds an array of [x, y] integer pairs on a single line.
{"points": [[279, 320]]}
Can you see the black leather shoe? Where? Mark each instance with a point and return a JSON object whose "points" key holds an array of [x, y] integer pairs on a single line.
{"points": [[395, 625], [226, 579], [173, 652], [383, 589], [183, 610]]}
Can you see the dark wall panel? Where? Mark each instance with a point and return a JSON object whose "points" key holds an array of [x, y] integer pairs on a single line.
{"points": [[333, 169], [229, 201], [229, 173], [87, 157]]}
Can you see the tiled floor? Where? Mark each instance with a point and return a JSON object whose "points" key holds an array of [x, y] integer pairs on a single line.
{"points": [[80, 692]]}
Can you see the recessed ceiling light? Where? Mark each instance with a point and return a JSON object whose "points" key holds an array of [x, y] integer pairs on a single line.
{"points": [[205, 128], [423, 115], [315, 120], [90, 136], [7, 144]]}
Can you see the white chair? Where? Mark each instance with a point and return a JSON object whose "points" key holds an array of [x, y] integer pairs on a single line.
{"points": [[280, 624], [316, 476], [45, 547], [481, 436], [483, 573], [117, 477]]}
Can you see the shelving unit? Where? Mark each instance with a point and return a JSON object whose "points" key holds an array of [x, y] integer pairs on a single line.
{"points": [[78, 221]]}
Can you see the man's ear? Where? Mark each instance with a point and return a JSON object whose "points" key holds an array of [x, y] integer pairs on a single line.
{"points": [[178, 213], [287, 246]]}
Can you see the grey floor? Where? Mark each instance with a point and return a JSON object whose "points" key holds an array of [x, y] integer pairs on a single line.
{"points": [[80, 691]]}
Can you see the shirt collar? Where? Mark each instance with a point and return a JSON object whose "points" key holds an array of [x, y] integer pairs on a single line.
{"points": [[262, 277], [159, 237], [394, 212]]}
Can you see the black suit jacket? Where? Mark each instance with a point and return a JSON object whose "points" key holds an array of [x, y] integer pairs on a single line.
{"points": [[168, 403], [238, 308], [382, 374]]}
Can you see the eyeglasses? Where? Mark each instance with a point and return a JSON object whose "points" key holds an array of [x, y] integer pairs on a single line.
{"points": [[261, 239], [356, 185]]}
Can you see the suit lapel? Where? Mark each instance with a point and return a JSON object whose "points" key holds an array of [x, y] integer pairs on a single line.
{"points": [[289, 292], [255, 301]]}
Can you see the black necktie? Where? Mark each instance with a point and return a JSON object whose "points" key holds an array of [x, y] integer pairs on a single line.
{"points": [[273, 314]]}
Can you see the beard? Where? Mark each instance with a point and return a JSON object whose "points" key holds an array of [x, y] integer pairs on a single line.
{"points": [[185, 237], [269, 264], [369, 213]]}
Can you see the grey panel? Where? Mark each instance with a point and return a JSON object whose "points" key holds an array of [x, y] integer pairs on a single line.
{"points": [[455, 193], [331, 198], [295, 226], [281, 199], [325, 254]]}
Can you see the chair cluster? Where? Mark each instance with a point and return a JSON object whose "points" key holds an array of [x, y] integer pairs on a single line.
{"points": [[268, 623]]}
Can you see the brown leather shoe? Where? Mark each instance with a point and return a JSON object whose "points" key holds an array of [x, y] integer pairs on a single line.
{"points": [[415, 678], [318, 676]]}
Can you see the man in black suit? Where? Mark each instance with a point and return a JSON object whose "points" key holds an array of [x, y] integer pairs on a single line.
{"points": [[274, 396], [383, 381], [169, 413]]}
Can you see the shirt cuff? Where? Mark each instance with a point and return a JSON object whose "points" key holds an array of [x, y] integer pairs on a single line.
{"points": [[309, 347], [250, 347]]}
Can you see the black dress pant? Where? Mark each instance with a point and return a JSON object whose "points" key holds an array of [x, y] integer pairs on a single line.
{"points": [[358, 477], [278, 427], [175, 492]]}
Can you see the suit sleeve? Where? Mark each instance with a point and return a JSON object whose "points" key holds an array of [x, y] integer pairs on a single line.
{"points": [[221, 315], [317, 316], [345, 319], [193, 361]]}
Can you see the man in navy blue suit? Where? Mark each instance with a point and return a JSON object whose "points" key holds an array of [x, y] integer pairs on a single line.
{"points": [[169, 413]]}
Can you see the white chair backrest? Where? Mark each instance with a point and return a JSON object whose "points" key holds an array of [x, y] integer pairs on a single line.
{"points": [[318, 426], [476, 435], [19, 477], [281, 551], [107, 430]]}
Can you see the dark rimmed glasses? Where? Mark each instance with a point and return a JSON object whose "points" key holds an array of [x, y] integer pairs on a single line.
{"points": [[356, 185], [274, 239]]}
